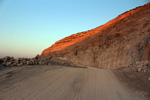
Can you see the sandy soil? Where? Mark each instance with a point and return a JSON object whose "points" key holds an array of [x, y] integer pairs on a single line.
{"points": [[62, 83]]}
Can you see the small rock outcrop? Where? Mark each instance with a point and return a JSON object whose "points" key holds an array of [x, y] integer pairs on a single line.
{"points": [[149, 78]]}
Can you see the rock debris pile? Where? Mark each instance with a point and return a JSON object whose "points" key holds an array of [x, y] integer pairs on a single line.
{"points": [[143, 66], [11, 61]]}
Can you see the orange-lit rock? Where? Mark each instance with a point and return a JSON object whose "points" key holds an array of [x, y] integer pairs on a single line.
{"points": [[115, 44]]}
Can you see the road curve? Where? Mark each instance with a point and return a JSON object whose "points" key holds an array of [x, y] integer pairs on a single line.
{"points": [[62, 83]]}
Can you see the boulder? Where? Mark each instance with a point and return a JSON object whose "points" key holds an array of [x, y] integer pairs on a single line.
{"points": [[4, 63], [137, 63], [29, 63], [139, 69], [1, 61], [7, 58], [18, 65], [144, 70], [14, 64], [49, 64], [8, 64]]}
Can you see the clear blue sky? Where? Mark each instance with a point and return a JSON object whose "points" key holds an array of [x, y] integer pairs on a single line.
{"points": [[29, 26]]}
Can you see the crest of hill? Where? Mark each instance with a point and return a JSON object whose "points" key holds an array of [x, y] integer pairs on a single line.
{"points": [[72, 39]]}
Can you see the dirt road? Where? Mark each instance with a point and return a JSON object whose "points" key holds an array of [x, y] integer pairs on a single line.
{"points": [[62, 83]]}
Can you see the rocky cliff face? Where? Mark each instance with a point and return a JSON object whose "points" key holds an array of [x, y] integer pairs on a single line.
{"points": [[118, 43]]}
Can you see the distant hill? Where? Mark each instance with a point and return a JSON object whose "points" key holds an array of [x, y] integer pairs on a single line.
{"points": [[118, 43]]}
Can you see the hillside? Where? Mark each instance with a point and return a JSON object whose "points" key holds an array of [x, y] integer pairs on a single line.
{"points": [[121, 42]]}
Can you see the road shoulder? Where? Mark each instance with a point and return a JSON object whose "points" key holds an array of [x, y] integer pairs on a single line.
{"points": [[135, 81]]}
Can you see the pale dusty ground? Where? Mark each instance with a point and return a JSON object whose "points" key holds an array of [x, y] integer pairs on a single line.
{"points": [[62, 83]]}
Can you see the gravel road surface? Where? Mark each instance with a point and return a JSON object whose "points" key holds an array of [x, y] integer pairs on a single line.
{"points": [[62, 83]]}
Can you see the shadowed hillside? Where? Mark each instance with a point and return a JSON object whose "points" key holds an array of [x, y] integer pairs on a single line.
{"points": [[119, 43]]}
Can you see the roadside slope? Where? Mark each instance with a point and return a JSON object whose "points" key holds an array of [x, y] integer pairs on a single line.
{"points": [[118, 43]]}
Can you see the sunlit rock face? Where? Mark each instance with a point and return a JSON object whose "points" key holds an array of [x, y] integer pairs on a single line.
{"points": [[118, 43]]}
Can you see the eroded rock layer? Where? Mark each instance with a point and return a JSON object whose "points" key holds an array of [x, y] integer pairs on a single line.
{"points": [[118, 43]]}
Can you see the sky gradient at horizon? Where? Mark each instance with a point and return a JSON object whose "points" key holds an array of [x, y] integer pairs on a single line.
{"points": [[27, 27]]}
